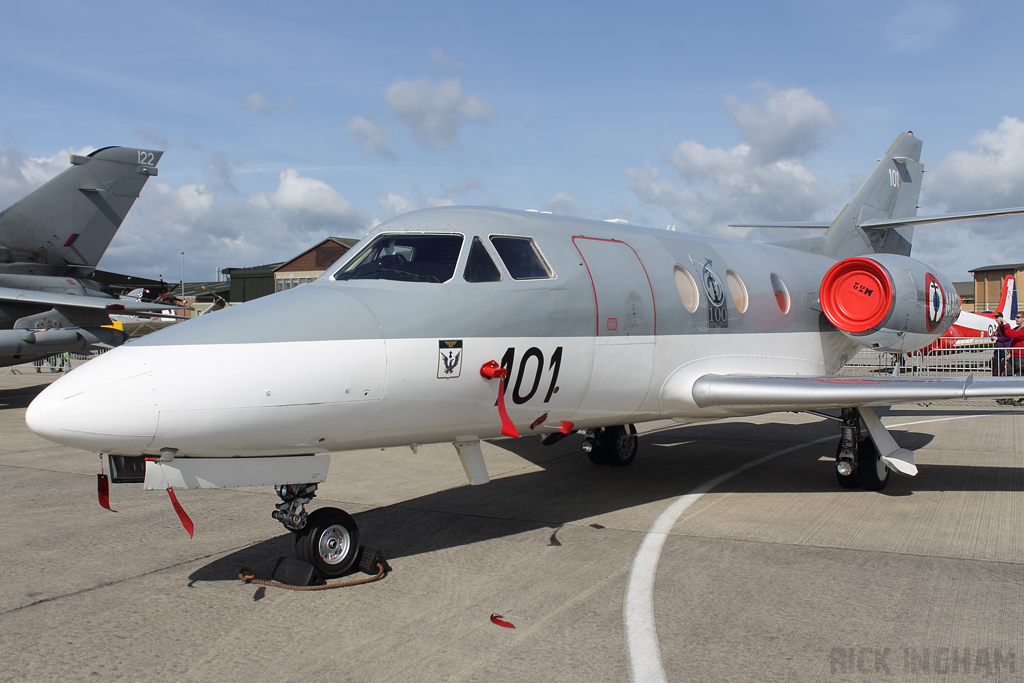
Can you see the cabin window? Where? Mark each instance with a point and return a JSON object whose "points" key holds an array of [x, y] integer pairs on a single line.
{"points": [[412, 258], [687, 288], [781, 293], [738, 290], [521, 257], [480, 266]]}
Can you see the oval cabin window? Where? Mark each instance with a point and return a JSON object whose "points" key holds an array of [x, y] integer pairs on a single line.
{"points": [[687, 289], [738, 290], [781, 293]]}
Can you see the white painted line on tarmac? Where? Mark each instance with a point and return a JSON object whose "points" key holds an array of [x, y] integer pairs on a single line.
{"points": [[638, 606], [643, 649]]}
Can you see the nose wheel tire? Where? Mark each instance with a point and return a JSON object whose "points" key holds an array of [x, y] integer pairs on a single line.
{"points": [[329, 542]]}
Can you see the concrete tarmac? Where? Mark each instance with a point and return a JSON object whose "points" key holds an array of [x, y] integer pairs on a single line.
{"points": [[775, 574]]}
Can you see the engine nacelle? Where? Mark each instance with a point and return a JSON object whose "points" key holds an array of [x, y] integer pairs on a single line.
{"points": [[888, 302]]}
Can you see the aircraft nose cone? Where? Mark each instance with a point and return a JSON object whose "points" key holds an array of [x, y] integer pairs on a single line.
{"points": [[107, 405]]}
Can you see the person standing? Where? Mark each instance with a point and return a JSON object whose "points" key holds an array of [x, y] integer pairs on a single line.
{"points": [[1002, 343], [1016, 358]]}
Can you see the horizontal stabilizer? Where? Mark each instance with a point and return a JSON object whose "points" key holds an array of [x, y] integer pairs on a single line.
{"points": [[886, 223], [800, 226]]}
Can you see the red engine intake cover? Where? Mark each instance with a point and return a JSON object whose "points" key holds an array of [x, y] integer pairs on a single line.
{"points": [[856, 295]]}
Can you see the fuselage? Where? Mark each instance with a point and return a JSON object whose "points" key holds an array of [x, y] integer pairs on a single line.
{"points": [[612, 326], [973, 325]]}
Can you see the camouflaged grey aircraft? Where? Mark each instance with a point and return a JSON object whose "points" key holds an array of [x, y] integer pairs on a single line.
{"points": [[458, 324], [54, 237]]}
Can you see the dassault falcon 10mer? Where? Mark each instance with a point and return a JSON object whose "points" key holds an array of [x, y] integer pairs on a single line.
{"points": [[460, 324]]}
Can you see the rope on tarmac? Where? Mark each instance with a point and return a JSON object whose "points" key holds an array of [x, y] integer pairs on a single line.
{"points": [[246, 574]]}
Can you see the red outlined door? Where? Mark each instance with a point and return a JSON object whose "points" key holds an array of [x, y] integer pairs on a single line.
{"points": [[624, 330], [622, 289]]}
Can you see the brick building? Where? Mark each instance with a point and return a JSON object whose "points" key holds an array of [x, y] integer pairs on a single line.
{"points": [[310, 264], [251, 283], [988, 284]]}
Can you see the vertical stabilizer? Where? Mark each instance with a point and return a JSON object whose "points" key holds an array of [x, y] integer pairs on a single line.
{"points": [[891, 191], [1008, 300], [70, 221]]}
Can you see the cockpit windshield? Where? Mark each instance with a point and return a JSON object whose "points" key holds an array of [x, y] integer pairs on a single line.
{"points": [[413, 258]]}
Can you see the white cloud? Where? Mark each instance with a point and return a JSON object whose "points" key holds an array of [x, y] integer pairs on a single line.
{"points": [[310, 203], [436, 113], [373, 139], [563, 204], [953, 250], [439, 58], [693, 209], [465, 187], [266, 227], [20, 174], [222, 169], [991, 176], [699, 164], [153, 138], [392, 204], [759, 179], [788, 124], [256, 101], [431, 202]]}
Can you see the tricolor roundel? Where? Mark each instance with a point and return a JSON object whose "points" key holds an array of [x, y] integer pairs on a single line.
{"points": [[936, 301]]}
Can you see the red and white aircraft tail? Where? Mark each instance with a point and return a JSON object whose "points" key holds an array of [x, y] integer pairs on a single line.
{"points": [[1008, 301]]}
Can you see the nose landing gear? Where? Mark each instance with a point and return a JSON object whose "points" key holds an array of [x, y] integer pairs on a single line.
{"points": [[291, 511], [329, 542], [327, 538]]}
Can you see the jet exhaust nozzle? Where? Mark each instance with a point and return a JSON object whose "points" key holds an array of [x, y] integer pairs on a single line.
{"points": [[888, 302]]}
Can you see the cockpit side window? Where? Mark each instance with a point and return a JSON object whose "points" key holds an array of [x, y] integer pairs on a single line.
{"points": [[413, 258], [480, 266], [522, 258]]}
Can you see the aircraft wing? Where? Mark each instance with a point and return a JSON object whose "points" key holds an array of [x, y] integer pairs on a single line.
{"points": [[36, 298], [742, 392]]}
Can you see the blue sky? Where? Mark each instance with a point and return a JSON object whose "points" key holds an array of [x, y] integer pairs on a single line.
{"points": [[283, 124]]}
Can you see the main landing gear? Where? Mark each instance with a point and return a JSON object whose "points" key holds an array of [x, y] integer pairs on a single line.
{"points": [[858, 462], [328, 538], [615, 446]]}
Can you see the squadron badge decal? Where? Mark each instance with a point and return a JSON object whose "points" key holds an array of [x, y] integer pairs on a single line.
{"points": [[449, 362], [714, 291]]}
